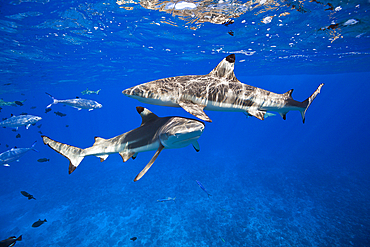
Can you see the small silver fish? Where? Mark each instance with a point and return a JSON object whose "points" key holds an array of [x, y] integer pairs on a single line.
{"points": [[14, 154], [77, 103], [18, 121], [167, 199], [87, 91]]}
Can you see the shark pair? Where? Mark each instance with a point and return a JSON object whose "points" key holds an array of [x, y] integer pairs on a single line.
{"points": [[219, 90]]}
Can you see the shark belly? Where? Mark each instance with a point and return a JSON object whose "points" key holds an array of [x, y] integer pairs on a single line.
{"points": [[161, 100], [108, 148], [99, 150], [280, 104], [280, 109], [150, 147], [227, 107]]}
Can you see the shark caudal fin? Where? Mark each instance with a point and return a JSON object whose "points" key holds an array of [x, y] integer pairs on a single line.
{"points": [[70, 152], [309, 100]]}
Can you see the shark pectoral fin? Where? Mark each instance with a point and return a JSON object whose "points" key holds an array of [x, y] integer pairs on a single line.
{"points": [[196, 146], [126, 155], [194, 109], [102, 157], [146, 168], [253, 111]]}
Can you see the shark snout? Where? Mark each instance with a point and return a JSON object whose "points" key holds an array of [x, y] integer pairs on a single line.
{"points": [[134, 91]]}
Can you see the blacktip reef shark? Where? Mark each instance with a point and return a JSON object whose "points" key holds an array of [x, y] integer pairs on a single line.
{"points": [[154, 133], [219, 90], [87, 91]]}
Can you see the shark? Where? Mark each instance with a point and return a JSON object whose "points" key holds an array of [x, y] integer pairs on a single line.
{"points": [[87, 91], [218, 90], [154, 133]]}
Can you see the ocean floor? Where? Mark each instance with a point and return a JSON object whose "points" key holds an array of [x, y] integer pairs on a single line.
{"points": [[273, 204]]}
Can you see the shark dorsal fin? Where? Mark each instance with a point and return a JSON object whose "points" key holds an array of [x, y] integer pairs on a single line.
{"points": [[98, 140], [225, 69], [145, 114], [289, 93]]}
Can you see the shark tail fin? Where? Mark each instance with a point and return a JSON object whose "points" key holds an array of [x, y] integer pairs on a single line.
{"points": [[68, 151], [309, 100], [55, 101]]}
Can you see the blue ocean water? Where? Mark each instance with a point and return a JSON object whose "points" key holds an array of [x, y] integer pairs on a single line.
{"points": [[273, 182]]}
